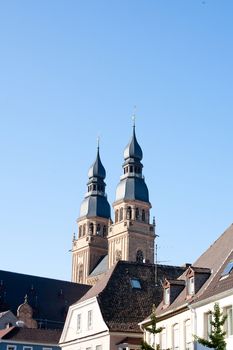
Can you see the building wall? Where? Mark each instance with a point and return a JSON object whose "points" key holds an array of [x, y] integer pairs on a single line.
{"points": [[201, 319], [168, 325], [74, 339], [4, 345]]}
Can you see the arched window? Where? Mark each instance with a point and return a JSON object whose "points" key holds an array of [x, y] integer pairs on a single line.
{"points": [[80, 273], [143, 215], [84, 229], [91, 228], [137, 213], [116, 215], [104, 231], [129, 213], [121, 214], [80, 231], [139, 256], [188, 335], [98, 229], [175, 336], [163, 342]]}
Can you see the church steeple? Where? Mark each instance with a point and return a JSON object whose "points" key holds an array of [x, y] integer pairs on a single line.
{"points": [[132, 236], [95, 202], [93, 222]]}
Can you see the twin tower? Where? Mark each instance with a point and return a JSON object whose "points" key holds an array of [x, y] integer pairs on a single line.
{"points": [[101, 242]]}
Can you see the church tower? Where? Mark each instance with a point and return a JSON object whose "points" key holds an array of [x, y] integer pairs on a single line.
{"points": [[91, 244], [131, 236]]}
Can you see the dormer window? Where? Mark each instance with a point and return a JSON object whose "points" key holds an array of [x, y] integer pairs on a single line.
{"points": [[135, 283], [228, 269], [190, 286], [166, 296]]}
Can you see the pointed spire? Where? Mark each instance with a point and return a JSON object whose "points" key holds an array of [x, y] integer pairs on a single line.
{"points": [[133, 150], [95, 202], [97, 168]]}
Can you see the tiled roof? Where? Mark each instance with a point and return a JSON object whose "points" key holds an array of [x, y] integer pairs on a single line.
{"points": [[33, 335], [4, 331], [219, 284], [211, 260], [48, 297], [121, 305]]}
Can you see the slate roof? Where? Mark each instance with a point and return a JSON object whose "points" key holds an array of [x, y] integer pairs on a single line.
{"points": [[3, 313], [101, 267], [122, 306], [31, 335], [49, 298], [214, 259]]}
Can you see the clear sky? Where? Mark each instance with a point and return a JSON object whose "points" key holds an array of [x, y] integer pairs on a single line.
{"points": [[73, 70]]}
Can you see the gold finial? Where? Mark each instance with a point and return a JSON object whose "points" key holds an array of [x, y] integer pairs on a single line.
{"points": [[134, 116]]}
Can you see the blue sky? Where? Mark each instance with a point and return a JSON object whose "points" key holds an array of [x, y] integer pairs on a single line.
{"points": [[73, 70]]}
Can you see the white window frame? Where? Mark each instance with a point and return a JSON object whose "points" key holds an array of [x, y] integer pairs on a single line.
{"points": [[175, 336], [47, 348], [89, 319], [187, 335], [27, 347], [79, 323], [228, 310], [166, 296], [207, 325], [10, 347], [163, 339], [191, 285]]}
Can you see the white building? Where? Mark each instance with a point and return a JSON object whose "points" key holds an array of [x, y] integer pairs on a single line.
{"points": [[185, 309]]}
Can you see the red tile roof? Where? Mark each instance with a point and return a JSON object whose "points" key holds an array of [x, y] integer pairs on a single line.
{"points": [[32, 335]]}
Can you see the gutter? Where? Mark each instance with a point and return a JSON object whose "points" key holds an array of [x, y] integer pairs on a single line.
{"points": [[212, 298]]}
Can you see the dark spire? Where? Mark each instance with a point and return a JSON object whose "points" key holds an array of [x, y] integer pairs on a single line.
{"points": [[97, 168], [133, 150], [95, 202], [132, 185]]}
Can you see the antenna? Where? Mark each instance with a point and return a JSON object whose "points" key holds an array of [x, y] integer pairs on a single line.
{"points": [[156, 265]]}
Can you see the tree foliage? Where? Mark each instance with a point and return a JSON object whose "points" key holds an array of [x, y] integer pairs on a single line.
{"points": [[152, 328], [217, 336]]}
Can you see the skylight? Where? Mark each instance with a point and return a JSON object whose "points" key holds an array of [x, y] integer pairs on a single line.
{"points": [[135, 283], [227, 269]]}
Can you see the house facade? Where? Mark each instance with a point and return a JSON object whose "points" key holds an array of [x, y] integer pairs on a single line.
{"points": [[188, 301]]}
